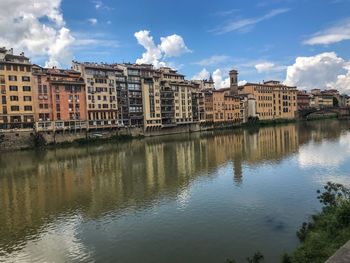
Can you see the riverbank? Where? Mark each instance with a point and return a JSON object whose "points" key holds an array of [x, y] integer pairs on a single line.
{"points": [[28, 139], [328, 231]]}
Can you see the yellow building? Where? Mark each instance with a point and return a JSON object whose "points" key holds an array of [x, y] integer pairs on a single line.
{"points": [[16, 85], [273, 99]]}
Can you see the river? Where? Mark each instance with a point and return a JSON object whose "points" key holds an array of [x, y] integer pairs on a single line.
{"points": [[201, 197]]}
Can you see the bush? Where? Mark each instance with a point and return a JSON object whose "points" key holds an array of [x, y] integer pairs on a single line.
{"points": [[328, 231]]}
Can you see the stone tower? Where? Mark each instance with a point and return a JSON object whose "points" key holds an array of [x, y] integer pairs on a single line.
{"points": [[234, 81]]}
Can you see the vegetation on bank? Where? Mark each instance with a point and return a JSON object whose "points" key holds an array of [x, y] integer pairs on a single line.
{"points": [[328, 231]]}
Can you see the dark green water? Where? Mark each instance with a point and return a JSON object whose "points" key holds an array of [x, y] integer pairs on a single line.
{"points": [[185, 198]]}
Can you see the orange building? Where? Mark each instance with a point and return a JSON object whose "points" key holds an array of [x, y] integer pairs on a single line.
{"points": [[273, 99], [60, 99], [232, 108]]}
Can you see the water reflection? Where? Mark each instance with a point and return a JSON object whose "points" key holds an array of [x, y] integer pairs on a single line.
{"points": [[63, 187]]}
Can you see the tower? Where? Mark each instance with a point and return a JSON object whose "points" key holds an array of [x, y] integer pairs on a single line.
{"points": [[234, 81]]}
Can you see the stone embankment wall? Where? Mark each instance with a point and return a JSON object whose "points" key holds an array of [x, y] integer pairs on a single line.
{"points": [[17, 140]]}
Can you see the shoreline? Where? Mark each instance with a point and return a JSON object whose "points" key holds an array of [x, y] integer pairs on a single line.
{"points": [[43, 141]]}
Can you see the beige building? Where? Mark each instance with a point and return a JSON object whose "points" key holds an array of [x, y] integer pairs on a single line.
{"points": [[101, 94], [273, 99], [324, 99], [176, 98], [16, 87], [150, 83]]}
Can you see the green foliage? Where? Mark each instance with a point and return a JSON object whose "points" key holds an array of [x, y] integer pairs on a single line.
{"points": [[257, 258], [328, 231]]}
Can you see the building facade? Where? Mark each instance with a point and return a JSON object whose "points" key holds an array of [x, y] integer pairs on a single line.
{"points": [[16, 86], [101, 95], [273, 99], [303, 100], [60, 99]]}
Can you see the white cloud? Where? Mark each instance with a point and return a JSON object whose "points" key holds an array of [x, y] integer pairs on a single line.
{"points": [[203, 74], [98, 4], [242, 82], [219, 79], [170, 46], [22, 27], [173, 46], [320, 71], [212, 61], [264, 67], [334, 34], [245, 24], [93, 21]]}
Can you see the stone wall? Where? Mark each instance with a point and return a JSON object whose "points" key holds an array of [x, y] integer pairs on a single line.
{"points": [[17, 140]]}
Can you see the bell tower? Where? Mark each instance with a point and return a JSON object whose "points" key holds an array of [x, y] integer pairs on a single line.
{"points": [[234, 81]]}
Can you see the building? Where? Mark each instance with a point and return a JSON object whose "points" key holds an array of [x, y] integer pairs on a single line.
{"points": [[273, 99], [176, 98], [42, 95], [16, 87], [122, 95], [208, 106], [60, 99], [322, 99], [303, 100], [134, 95], [198, 104], [150, 83], [101, 95], [205, 84]]}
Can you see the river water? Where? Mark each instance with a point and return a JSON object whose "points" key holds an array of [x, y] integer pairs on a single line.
{"points": [[203, 197]]}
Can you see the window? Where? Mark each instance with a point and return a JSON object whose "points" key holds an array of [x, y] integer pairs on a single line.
{"points": [[14, 108], [27, 98], [12, 78], [25, 78], [13, 98], [26, 88], [28, 108], [13, 88]]}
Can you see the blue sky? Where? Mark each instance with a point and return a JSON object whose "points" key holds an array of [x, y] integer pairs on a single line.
{"points": [[259, 38]]}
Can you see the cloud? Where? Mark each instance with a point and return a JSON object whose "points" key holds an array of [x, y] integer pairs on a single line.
{"points": [[264, 67], [93, 21], [334, 34], [99, 5], [212, 61], [203, 74], [173, 46], [243, 25], [242, 82], [219, 80], [38, 29], [325, 70], [170, 46]]}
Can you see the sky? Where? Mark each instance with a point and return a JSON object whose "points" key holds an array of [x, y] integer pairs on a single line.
{"points": [[303, 43]]}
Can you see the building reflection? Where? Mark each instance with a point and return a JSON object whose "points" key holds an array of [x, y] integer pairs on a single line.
{"points": [[37, 187]]}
